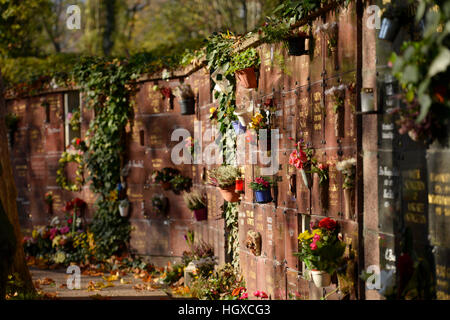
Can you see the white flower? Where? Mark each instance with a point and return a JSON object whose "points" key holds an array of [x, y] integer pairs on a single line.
{"points": [[345, 164]]}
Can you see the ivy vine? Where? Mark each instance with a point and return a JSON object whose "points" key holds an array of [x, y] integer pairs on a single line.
{"points": [[109, 86]]}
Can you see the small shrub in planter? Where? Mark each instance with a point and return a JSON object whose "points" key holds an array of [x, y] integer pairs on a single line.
{"points": [[196, 202], [278, 31], [124, 207], [180, 183], [262, 190], [186, 99], [165, 176], [243, 66], [224, 177]]}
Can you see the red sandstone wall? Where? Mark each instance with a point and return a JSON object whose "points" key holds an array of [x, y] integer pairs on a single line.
{"points": [[303, 111]]}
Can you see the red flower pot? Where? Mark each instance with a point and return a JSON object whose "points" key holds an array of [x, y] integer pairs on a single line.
{"points": [[201, 214], [247, 78]]}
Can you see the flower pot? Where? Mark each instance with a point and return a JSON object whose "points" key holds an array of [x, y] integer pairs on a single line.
{"points": [[306, 177], [247, 78], [229, 194], [389, 29], [263, 196], [296, 45], [320, 278], [238, 127], [166, 185], [187, 106], [124, 211], [201, 214], [349, 203]]}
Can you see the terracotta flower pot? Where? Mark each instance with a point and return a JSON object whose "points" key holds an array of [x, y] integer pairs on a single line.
{"points": [[320, 278], [201, 214], [349, 203], [229, 194], [247, 78]]}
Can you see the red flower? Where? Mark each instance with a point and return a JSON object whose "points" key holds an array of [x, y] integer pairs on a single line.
{"points": [[78, 203], [327, 223], [68, 206], [78, 141]]}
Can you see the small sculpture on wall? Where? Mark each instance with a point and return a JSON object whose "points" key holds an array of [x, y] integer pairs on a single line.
{"points": [[253, 242]]}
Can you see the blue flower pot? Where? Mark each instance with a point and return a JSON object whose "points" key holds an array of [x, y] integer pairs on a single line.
{"points": [[238, 127], [263, 196]]}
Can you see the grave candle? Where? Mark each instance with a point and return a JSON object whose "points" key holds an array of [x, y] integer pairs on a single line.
{"points": [[239, 185]]}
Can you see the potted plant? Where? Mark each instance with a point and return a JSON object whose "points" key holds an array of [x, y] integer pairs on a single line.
{"points": [[243, 65], [348, 169], [262, 190], [124, 207], [321, 250], [160, 204], [195, 201], [321, 169], [337, 93], [186, 98], [180, 183], [301, 158], [224, 177], [275, 31], [165, 176]]}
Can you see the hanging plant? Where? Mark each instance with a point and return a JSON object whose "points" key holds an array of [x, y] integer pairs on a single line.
{"points": [[243, 65]]}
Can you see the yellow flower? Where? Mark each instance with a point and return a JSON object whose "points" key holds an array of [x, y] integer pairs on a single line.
{"points": [[212, 110], [305, 236]]}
